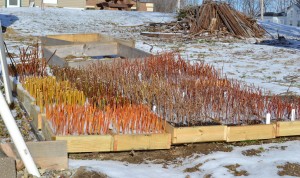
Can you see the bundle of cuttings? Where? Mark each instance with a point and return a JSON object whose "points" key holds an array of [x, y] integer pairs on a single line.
{"points": [[30, 64], [90, 120], [48, 90], [212, 19]]}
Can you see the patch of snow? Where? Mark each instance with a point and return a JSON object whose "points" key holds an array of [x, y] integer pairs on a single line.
{"points": [[14, 113], [288, 31], [263, 165]]}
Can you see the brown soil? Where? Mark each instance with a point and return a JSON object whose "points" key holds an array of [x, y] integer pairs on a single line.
{"points": [[193, 169], [181, 151], [157, 156], [212, 123], [233, 169], [279, 148], [207, 176], [248, 122], [196, 123], [252, 152], [289, 169], [83, 173]]}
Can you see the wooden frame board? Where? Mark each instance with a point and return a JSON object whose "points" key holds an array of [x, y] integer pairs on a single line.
{"points": [[251, 132], [141, 142], [87, 143], [288, 128], [47, 154], [182, 135]]}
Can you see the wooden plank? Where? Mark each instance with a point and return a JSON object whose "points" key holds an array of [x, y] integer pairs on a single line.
{"points": [[182, 135], [91, 37], [27, 103], [141, 142], [288, 128], [47, 130], [20, 92], [47, 154], [87, 49], [129, 52], [252, 132], [87, 143]]}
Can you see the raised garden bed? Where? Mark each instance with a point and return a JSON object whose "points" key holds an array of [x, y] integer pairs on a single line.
{"points": [[93, 143], [131, 104], [81, 49]]}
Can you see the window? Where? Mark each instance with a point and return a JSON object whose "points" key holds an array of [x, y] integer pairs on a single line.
{"points": [[298, 24], [291, 23]]}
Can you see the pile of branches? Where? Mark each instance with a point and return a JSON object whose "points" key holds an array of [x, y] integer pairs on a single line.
{"points": [[215, 18]]}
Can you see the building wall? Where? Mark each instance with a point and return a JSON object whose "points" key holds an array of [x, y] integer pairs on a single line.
{"points": [[24, 3], [279, 20], [65, 3], [37, 2], [293, 16], [165, 5], [71, 3]]}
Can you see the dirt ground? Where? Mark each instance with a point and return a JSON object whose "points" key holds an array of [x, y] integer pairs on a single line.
{"points": [[289, 169], [179, 151]]}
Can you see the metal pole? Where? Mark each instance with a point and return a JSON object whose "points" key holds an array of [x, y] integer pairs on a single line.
{"points": [[8, 91], [17, 138]]}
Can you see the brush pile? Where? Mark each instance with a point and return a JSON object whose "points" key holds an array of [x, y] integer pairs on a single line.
{"points": [[214, 19]]}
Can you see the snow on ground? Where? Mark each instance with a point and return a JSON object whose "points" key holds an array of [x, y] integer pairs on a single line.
{"points": [[273, 67], [262, 165], [37, 22], [288, 31]]}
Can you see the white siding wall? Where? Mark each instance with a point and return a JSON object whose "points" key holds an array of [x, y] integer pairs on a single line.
{"points": [[293, 16]]}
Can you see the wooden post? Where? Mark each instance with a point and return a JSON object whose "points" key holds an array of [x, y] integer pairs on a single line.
{"points": [[262, 9], [8, 92]]}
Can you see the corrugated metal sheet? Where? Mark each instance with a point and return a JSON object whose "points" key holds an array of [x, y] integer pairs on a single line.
{"points": [[71, 3]]}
